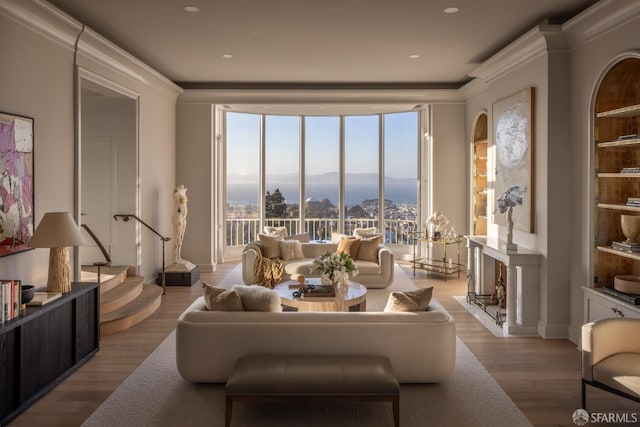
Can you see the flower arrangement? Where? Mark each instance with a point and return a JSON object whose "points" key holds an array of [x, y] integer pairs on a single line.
{"points": [[334, 267]]}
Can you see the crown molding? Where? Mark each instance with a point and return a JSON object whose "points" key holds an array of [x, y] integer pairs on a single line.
{"points": [[310, 96], [537, 41], [97, 48], [474, 88], [42, 18], [599, 19]]}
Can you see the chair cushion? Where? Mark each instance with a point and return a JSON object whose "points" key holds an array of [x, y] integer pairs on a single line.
{"points": [[369, 248], [621, 372], [220, 299], [409, 301]]}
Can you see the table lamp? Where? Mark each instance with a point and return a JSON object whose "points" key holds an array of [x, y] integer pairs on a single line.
{"points": [[57, 230]]}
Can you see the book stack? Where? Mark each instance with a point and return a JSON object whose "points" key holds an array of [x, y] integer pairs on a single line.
{"points": [[633, 201], [630, 298], [635, 169], [632, 248], [10, 300]]}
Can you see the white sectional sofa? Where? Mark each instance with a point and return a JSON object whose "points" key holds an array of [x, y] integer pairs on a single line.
{"points": [[421, 346], [371, 274]]}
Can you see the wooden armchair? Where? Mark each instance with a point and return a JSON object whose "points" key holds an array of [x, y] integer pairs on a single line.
{"points": [[611, 357]]}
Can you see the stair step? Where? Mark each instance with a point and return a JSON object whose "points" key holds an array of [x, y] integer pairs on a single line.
{"points": [[121, 295], [132, 313], [110, 276]]}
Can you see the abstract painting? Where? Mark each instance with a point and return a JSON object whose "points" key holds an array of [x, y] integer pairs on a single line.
{"points": [[513, 133], [16, 183]]}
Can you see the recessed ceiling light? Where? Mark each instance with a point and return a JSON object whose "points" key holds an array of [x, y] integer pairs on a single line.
{"points": [[414, 56], [227, 56], [191, 9], [451, 10]]}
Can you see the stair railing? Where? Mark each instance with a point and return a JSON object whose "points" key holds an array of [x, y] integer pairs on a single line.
{"points": [[107, 258], [126, 218]]}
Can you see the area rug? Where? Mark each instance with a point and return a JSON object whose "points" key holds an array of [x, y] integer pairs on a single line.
{"points": [[155, 395]]}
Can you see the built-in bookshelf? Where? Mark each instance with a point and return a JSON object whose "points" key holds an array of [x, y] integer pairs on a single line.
{"points": [[480, 176], [616, 185]]}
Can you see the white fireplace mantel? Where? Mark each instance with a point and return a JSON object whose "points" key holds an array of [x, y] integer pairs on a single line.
{"points": [[522, 288]]}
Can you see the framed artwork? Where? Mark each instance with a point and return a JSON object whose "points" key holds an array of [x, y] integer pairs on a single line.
{"points": [[16, 183], [513, 133]]}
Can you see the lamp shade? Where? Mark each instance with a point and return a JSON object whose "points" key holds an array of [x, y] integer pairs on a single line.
{"points": [[56, 230]]}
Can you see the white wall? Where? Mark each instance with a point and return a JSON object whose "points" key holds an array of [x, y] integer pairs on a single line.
{"points": [[37, 80], [196, 169], [450, 173]]}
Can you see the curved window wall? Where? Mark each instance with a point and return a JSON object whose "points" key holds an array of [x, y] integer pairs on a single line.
{"points": [[321, 174]]}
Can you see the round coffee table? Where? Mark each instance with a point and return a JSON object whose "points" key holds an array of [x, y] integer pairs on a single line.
{"points": [[355, 298]]}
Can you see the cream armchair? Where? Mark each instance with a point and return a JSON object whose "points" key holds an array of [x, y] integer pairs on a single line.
{"points": [[611, 357]]}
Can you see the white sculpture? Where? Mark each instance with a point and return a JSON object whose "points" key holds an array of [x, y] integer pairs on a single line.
{"points": [[179, 227]]}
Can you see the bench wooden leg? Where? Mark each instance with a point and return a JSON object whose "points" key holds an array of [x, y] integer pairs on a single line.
{"points": [[228, 405]]}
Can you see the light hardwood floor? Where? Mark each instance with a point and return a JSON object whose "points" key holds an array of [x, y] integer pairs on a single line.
{"points": [[541, 376]]}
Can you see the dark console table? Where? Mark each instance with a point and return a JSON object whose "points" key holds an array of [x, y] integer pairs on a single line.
{"points": [[46, 344]]}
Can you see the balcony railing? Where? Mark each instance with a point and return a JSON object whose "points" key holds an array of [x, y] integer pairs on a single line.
{"points": [[241, 231]]}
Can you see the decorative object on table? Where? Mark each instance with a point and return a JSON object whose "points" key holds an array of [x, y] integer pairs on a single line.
{"points": [[513, 130], [630, 225], [315, 291], [320, 233], [28, 292], [56, 231], [438, 223], [44, 298], [300, 279], [627, 283], [16, 183], [506, 202], [10, 300], [334, 268]]}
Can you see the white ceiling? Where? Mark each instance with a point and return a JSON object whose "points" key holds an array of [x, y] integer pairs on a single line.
{"points": [[337, 43]]}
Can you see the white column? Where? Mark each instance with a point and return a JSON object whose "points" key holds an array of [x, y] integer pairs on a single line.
{"points": [[512, 294]]}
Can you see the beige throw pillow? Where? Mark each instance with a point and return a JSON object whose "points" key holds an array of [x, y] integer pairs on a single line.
{"points": [[368, 250], [336, 237], [219, 299], [365, 232], [349, 246], [270, 245], [275, 231], [258, 298], [290, 250], [409, 301]]}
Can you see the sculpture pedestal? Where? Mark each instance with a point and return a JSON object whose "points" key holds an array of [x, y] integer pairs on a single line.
{"points": [[180, 275]]}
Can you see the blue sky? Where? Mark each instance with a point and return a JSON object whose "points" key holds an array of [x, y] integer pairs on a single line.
{"points": [[282, 135]]}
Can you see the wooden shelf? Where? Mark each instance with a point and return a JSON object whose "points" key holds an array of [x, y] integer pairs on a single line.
{"points": [[618, 207], [624, 143], [610, 250], [618, 175], [630, 111]]}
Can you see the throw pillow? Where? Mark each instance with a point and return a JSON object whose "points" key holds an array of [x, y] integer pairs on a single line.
{"points": [[302, 237], [258, 298], [365, 232], [336, 237], [270, 245], [368, 250], [275, 231], [290, 250], [349, 246], [409, 301], [219, 299]]}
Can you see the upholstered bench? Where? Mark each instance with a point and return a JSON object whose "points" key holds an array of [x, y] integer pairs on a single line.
{"points": [[359, 378]]}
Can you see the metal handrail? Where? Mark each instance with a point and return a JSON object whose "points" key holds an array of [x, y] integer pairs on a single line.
{"points": [[126, 218], [98, 242]]}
